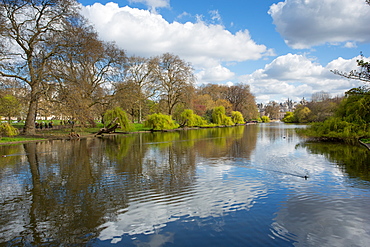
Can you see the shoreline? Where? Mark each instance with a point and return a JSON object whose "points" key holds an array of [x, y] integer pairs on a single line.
{"points": [[367, 145], [50, 137], [43, 137]]}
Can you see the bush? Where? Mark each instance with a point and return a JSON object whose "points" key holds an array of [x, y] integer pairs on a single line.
{"points": [[7, 130], [160, 122]]}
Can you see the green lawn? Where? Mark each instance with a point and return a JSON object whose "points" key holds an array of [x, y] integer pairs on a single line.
{"points": [[63, 132], [367, 141], [18, 139]]}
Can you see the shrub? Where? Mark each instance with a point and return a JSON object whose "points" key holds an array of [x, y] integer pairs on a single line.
{"points": [[7, 130], [160, 122]]}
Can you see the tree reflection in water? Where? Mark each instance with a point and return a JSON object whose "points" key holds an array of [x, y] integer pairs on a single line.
{"points": [[155, 188], [352, 159], [64, 191]]}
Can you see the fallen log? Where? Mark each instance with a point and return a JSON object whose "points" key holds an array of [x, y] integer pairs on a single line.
{"points": [[110, 128]]}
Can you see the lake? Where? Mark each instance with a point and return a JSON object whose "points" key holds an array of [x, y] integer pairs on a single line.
{"points": [[255, 185]]}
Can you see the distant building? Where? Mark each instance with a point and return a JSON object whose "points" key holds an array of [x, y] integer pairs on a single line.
{"points": [[284, 107]]}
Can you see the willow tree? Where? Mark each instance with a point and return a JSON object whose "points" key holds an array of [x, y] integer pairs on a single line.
{"points": [[28, 29]]}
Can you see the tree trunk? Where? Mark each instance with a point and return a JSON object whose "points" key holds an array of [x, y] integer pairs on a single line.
{"points": [[29, 126]]}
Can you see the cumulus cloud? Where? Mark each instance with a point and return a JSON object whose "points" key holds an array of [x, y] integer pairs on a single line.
{"points": [[214, 74], [297, 76], [307, 23], [145, 33]]}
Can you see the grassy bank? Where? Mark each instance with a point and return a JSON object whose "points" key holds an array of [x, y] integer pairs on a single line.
{"points": [[61, 132], [365, 140]]}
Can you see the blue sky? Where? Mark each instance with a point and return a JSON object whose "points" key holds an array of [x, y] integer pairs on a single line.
{"points": [[282, 49]]}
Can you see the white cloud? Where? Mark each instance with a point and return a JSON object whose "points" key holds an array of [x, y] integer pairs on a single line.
{"points": [[215, 16], [350, 45], [214, 74], [307, 23], [145, 33], [153, 4], [297, 76]]}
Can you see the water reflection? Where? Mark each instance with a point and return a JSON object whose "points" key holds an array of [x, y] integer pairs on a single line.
{"points": [[353, 160], [222, 186]]}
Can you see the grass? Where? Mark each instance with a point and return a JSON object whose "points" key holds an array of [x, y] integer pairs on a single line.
{"points": [[18, 139], [366, 140], [63, 132]]}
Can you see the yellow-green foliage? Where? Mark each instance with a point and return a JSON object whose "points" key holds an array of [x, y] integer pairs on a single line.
{"points": [[288, 117], [351, 121], [336, 128], [265, 119], [7, 130], [302, 114], [219, 117], [237, 117], [121, 116], [160, 122], [9, 106], [190, 119]]}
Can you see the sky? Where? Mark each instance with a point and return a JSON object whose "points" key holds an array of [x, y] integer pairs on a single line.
{"points": [[281, 49]]}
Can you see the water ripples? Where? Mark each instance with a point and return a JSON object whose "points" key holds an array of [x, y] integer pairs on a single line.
{"points": [[211, 196]]}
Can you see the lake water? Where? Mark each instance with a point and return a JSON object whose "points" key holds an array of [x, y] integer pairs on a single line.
{"points": [[256, 185]]}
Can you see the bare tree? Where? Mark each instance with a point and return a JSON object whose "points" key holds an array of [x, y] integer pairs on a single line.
{"points": [[242, 100], [174, 76], [215, 91], [83, 73], [363, 74], [320, 96], [27, 27], [238, 95], [272, 110], [139, 85]]}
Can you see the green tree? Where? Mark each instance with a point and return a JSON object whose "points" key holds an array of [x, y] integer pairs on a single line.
{"points": [[265, 119], [351, 120], [288, 117], [219, 117], [119, 116], [159, 121], [302, 114], [237, 117], [355, 108], [9, 107], [190, 119]]}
